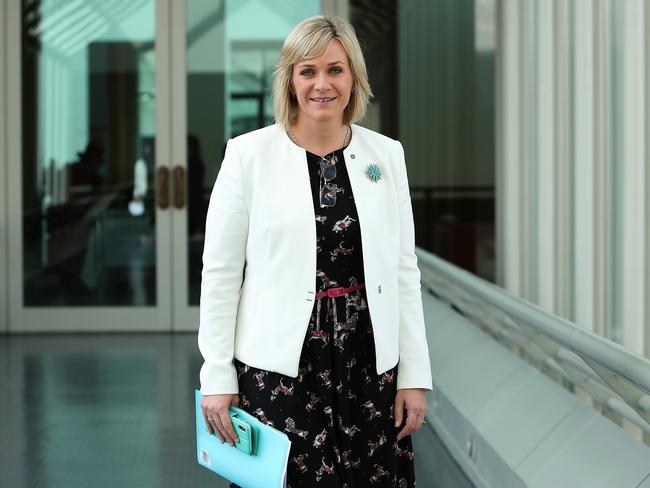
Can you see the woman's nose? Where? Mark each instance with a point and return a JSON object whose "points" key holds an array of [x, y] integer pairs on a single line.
{"points": [[322, 82]]}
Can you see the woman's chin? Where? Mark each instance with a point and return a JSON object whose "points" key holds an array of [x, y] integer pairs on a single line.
{"points": [[324, 115]]}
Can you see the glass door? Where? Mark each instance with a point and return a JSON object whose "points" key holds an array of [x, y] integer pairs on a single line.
{"points": [[122, 110], [223, 59], [89, 157]]}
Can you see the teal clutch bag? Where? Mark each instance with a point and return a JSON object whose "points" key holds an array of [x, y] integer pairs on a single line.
{"points": [[259, 462]]}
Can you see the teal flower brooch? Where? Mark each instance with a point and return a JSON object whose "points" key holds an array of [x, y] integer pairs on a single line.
{"points": [[373, 171]]}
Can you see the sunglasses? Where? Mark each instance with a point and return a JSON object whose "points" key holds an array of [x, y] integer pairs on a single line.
{"points": [[328, 173]]}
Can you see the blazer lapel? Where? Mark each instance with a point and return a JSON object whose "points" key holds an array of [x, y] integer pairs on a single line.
{"points": [[370, 197]]}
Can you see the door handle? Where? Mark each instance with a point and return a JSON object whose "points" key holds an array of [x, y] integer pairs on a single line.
{"points": [[163, 188], [179, 187]]}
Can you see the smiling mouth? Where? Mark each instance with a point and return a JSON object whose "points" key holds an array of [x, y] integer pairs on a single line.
{"points": [[323, 99]]}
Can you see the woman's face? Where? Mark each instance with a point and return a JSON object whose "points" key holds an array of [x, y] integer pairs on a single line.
{"points": [[323, 84]]}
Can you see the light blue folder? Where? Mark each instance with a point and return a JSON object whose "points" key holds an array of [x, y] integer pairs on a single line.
{"points": [[265, 469]]}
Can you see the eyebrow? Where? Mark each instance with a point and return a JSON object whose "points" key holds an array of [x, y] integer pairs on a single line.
{"points": [[307, 65]]}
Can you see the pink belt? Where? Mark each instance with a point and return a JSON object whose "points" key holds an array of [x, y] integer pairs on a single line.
{"points": [[337, 292]]}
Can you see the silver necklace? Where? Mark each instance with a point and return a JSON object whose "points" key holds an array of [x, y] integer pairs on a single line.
{"points": [[293, 137]]}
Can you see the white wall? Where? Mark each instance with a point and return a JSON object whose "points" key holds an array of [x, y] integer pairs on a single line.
{"points": [[573, 161]]}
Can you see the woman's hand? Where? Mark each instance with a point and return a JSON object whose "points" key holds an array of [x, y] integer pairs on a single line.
{"points": [[217, 418], [414, 400]]}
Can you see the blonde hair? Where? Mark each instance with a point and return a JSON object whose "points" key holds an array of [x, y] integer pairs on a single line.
{"points": [[307, 40]]}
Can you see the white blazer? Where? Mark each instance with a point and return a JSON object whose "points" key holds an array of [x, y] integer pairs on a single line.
{"points": [[261, 218]]}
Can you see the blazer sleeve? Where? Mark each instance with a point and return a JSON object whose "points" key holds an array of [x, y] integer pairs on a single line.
{"points": [[414, 370], [226, 233]]}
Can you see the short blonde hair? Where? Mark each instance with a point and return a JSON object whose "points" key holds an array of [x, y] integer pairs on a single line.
{"points": [[307, 40]]}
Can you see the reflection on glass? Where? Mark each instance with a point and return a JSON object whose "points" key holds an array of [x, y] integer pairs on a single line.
{"points": [[88, 153], [431, 68], [232, 48]]}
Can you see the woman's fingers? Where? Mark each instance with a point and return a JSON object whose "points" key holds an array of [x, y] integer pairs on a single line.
{"points": [[413, 424], [402, 433], [408, 428], [213, 422], [399, 411], [219, 429], [208, 425], [226, 428], [413, 400], [216, 412], [412, 421]]}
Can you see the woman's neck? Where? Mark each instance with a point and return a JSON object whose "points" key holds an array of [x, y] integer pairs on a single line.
{"points": [[320, 138]]}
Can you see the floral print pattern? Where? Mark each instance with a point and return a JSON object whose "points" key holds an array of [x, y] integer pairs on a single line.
{"points": [[338, 413]]}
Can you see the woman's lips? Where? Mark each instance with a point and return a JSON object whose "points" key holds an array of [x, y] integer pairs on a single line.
{"points": [[323, 99]]}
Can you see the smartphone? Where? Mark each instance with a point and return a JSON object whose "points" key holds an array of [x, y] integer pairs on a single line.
{"points": [[244, 432]]}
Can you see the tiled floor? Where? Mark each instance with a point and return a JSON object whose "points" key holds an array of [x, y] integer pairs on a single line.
{"points": [[114, 410]]}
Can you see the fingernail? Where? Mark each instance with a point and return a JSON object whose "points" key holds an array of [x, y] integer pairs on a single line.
{"points": [[396, 424]]}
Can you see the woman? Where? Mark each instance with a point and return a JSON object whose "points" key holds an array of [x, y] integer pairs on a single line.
{"points": [[322, 334]]}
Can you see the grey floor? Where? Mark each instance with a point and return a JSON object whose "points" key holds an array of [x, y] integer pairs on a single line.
{"points": [[116, 410]]}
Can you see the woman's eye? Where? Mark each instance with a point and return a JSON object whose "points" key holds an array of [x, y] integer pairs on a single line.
{"points": [[337, 70], [307, 72]]}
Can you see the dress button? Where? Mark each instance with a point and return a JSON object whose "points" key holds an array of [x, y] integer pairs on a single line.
{"points": [[352, 156]]}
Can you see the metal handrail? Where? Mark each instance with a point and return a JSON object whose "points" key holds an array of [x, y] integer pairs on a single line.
{"points": [[604, 358]]}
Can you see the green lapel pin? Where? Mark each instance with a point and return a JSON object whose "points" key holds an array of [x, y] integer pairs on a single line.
{"points": [[373, 171]]}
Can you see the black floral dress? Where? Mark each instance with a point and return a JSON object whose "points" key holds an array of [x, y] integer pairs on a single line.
{"points": [[338, 413]]}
